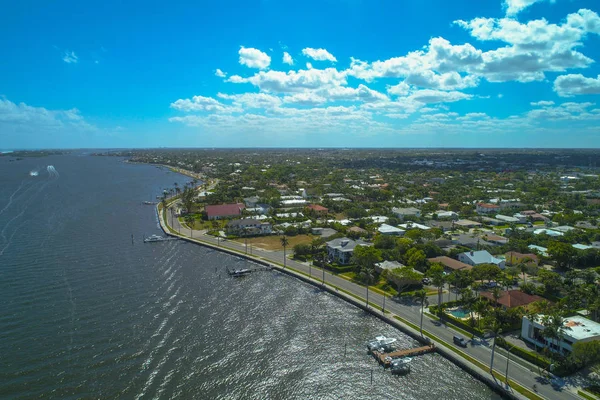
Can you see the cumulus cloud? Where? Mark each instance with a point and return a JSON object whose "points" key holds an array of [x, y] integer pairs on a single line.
{"points": [[429, 96], [70, 57], [287, 59], [220, 73], [23, 125], [202, 103], [252, 100], [575, 84], [533, 48], [513, 7], [318, 54], [542, 103], [294, 81], [254, 58]]}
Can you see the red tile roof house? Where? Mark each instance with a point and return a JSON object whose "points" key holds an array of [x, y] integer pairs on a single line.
{"points": [[512, 298], [317, 209], [224, 211], [450, 264], [486, 208]]}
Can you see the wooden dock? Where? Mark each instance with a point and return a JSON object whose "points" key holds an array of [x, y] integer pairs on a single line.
{"points": [[385, 358]]}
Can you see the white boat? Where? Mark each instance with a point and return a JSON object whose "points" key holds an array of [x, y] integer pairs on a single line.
{"points": [[240, 272], [381, 343], [154, 238], [34, 173], [401, 366]]}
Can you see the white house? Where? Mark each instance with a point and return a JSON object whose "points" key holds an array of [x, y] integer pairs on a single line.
{"points": [[414, 225], [480, 257], [406, 212], [341, 250], [386, 229], [243, 227], [575, 329]]}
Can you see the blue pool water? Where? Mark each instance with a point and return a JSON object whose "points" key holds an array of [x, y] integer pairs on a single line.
{"points": [[459, 313]]}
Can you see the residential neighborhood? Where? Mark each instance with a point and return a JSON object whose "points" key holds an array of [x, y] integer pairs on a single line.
{"points": [[508, 247]]}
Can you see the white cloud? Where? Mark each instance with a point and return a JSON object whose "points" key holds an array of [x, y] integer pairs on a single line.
{"points": [[201, 103], [236, 79], [513, 7], [254, 58], [542, 103], [287, 59], [400, 89], [318, 54], [574, 84], [220, 73], [252, 100], [429, 96], [23, 125], [294, 81], [305, 98], [569, 111], [70, 57], [534, 47]]}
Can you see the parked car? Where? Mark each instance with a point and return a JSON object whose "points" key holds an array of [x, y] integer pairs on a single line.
{"points": [[426, 281], [460, 341]]}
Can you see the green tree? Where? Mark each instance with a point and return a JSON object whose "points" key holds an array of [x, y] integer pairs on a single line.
{"points": [[562, 253], [302, 250], [436, 273], [416, 258], [365, 258]]}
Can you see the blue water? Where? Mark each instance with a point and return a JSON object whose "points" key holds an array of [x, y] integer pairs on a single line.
{"points": [[86, 313], [459, 313]]}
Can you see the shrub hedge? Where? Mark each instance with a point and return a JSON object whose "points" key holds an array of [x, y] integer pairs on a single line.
{"points": [[530, 356]]}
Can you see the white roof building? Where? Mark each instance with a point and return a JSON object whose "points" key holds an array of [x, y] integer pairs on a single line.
{"points": [[414, 225], [548, 232], [386, 229], [575, 329], [378, 219]]}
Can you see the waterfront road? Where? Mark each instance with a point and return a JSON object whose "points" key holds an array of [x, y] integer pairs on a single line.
{"points": [[521, 372]]}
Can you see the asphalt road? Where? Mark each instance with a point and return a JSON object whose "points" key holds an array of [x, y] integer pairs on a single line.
{"points": [[523, 373]]}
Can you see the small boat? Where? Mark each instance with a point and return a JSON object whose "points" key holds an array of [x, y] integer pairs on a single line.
{"points": [[155, 238], [381, 343], [150, 203], [33, 173], [240, 272], [400, 367]]}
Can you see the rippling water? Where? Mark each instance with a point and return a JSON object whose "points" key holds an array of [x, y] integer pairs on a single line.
{"points": [[86, 313]]}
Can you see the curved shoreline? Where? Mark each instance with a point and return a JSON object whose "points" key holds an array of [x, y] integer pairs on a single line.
{"points": [[441, 346]]}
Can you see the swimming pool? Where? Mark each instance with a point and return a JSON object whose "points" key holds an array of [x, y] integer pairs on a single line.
{"points": [[459, 313]]}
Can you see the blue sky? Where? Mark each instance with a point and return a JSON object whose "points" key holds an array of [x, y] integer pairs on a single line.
{"points": [[353, 73]]}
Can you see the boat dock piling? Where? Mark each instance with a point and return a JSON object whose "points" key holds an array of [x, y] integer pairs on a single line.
{"points": [[385, 358]]}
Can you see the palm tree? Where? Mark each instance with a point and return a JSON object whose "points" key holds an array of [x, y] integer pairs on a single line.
{"points": [[553, 330], [421, 297], [189, 220], [494, 327], [523, 268], [480, 307], [284, 243]]}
